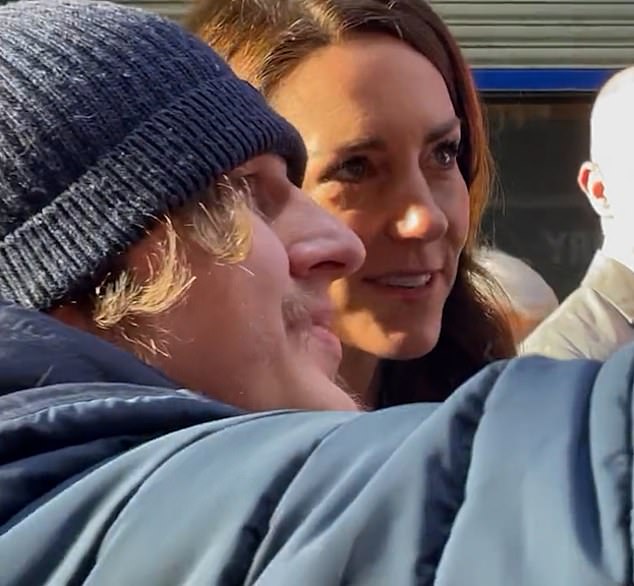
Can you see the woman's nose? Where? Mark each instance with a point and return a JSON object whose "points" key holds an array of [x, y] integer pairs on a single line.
{"points": [[421, 221]]}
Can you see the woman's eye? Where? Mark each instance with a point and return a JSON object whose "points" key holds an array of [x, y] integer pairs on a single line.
{"points": [[352, 170], [446, 153]]}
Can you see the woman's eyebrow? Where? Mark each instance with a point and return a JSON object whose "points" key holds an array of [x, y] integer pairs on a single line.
{"points": [[367, 143], [442, 130], [375, 143]]}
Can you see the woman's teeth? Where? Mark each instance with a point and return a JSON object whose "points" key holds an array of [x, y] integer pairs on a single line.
{"points": [[412, 281]]}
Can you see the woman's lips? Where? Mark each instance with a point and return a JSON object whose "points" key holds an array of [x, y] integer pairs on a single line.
{"points": [[411, 285], [409, 280]]}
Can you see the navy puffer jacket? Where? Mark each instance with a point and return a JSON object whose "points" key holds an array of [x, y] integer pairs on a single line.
{"points": [[109, 474]]}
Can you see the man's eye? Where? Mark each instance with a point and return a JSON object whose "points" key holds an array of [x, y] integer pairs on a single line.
{"points": [[265, 200], [352, 170], [446, 153]]}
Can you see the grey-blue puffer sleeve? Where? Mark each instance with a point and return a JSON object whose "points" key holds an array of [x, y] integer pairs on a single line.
{"points": [[523, 477]]}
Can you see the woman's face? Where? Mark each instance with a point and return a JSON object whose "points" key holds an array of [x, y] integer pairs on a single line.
{"points": [[383, 139]]}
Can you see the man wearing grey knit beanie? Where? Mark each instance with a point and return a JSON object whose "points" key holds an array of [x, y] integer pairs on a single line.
{"points": [[152, 239], [168, 410], [148, 197]]}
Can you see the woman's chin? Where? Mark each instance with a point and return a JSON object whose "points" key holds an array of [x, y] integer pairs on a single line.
{"points": [[405, 346]]}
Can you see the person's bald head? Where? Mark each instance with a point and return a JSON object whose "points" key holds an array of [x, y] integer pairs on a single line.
{"points": [[608, 178], [528, 299], [612, 119]]}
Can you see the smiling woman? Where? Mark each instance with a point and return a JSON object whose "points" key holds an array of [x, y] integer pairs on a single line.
{"points": [[387, 108]]}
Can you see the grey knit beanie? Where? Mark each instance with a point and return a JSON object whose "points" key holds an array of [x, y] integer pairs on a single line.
{"points": [[109, 117]]}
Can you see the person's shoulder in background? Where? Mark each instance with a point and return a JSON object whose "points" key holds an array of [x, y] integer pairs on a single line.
{"points": [[594, 321]]}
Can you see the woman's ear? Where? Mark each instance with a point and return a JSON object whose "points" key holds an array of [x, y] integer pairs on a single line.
{"points": [[591, 183]]}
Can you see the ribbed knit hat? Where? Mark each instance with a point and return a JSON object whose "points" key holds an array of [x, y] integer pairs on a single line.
{"points": [[109, 117]]}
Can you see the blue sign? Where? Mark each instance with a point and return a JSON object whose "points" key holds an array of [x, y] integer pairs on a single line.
{"points": [[541, 79]]}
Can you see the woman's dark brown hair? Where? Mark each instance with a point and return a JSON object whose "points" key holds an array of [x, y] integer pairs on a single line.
{"points": [[264, 40]]}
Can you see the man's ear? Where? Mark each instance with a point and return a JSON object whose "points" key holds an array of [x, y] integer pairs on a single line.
{"points": [[591, 183]]}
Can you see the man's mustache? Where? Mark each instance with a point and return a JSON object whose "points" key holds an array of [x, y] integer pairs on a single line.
{"points": [[296, 311]]}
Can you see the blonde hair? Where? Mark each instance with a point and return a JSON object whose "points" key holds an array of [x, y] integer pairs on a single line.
{"points": [[218, 222]]}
